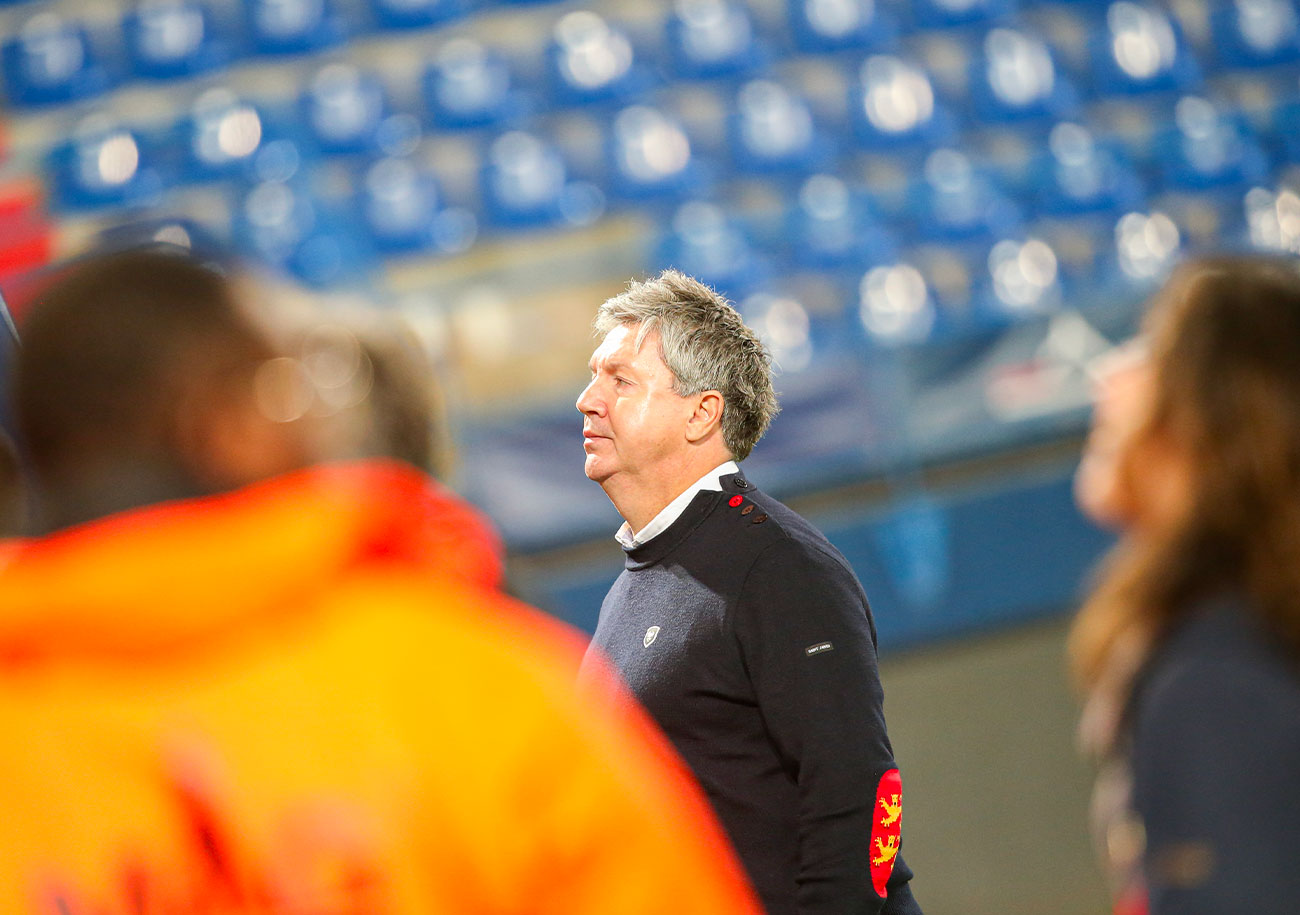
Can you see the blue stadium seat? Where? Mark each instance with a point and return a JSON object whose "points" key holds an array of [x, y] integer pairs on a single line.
{"points": [[103, 164], [895, 304], [1273, 219], [168, 39], [286, 226], [1080, 175], [470, 85], [415, 14], [1147, 245], [785, 326], [1208, 148], [344, 109], [1023, 279], [836, 25], [704, 242], [224, 135], [830, 227], [938, 14], [1256, 33], [1283, 129], [401, 206], [772, 131], [525, 183], [294, 26], [651, 157], [1140, 48], [50, 61], [708, 38], [893, 105], [593, 61], [956, 202], [1015, 78]]}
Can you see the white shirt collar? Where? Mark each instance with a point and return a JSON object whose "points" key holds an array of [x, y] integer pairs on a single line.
{"points": [[711, 481]]}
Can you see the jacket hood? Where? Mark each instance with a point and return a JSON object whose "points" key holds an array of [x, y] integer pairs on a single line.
{"points": [[158, 578]]}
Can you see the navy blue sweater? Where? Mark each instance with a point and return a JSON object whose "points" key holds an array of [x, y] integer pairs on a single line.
{"points": [[1216, 766], [747, 636]]}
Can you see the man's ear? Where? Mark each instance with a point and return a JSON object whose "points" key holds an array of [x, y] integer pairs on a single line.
{"points": [[706, 418]]}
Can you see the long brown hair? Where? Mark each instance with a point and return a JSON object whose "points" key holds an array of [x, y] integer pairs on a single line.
{"points": [[1224, 343]]}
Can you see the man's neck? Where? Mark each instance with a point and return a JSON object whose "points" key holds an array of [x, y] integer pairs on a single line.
{"points": [[639, 501]]}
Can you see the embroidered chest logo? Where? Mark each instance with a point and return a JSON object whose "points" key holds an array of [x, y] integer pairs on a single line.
{"points": [[650, 635], [886, 830]]}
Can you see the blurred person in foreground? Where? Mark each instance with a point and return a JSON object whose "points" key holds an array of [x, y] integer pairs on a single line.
{"points": [[1188, 649], [233, 683], [740, 627]]}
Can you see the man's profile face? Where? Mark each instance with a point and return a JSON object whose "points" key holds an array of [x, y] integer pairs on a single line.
{"points": [[634, 422]]}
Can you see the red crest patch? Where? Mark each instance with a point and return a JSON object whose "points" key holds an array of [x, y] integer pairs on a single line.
{"points": [[886, 829]]}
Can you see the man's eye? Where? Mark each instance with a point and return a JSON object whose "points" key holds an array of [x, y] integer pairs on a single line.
{"points": [[621, 381]]}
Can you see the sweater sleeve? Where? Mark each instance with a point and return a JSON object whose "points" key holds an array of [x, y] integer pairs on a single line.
{"points": [[808, 643], [1215, 754]]}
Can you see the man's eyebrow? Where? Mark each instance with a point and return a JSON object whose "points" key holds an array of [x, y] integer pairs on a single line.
{"points": [[611, 365]]}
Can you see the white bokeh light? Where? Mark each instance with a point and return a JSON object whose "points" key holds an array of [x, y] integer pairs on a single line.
{"points": [[897, 96]]}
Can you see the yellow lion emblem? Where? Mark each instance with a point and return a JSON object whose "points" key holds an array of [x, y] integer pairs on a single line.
{"points": [[887, 851], [893, 810]]}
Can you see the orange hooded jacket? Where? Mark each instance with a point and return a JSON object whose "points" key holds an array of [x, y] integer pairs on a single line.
{"points": [[302, 698]]}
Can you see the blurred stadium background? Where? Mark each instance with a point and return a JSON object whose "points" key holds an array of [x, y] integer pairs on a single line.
{"points": [[938, 213]]}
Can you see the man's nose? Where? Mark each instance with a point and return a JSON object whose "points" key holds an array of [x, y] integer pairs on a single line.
{"points": [[588, 402]]}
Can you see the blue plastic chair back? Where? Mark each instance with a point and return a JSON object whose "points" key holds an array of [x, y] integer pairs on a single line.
{"points": [[1079, 175], [285, 226], [1015, 78], [772, 131], [592, 61], [470, 85], [1140, 48], [1208, 148], [708, 38], [1023, 278], [51, 61], [344, 109], [402, 209], [222, 135], [704, 243], [650, 156], [829, 227], [1147, 245], [103, 164], [895, 304], [524, 183], [836, 25], [1273, 219], [1256, 33], [893, 105], [169, 39], [294, 26], [957, 202]]}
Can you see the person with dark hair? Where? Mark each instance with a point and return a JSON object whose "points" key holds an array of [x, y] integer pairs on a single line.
{"points": [[1188, 648], [234, 682], [139, 380], [740, 627]]}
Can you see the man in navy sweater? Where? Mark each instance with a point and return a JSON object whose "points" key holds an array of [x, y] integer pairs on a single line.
{"points": [[736, 623]]}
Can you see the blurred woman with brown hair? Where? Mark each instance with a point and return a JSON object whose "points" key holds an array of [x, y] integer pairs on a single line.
{"points": [[1188, 649]]}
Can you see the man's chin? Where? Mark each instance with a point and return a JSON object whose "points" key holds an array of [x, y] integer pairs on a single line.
{"points": [[595, 471]]}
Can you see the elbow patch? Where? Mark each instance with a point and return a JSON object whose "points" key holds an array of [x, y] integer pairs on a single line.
{"points": [[886, 829]]}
